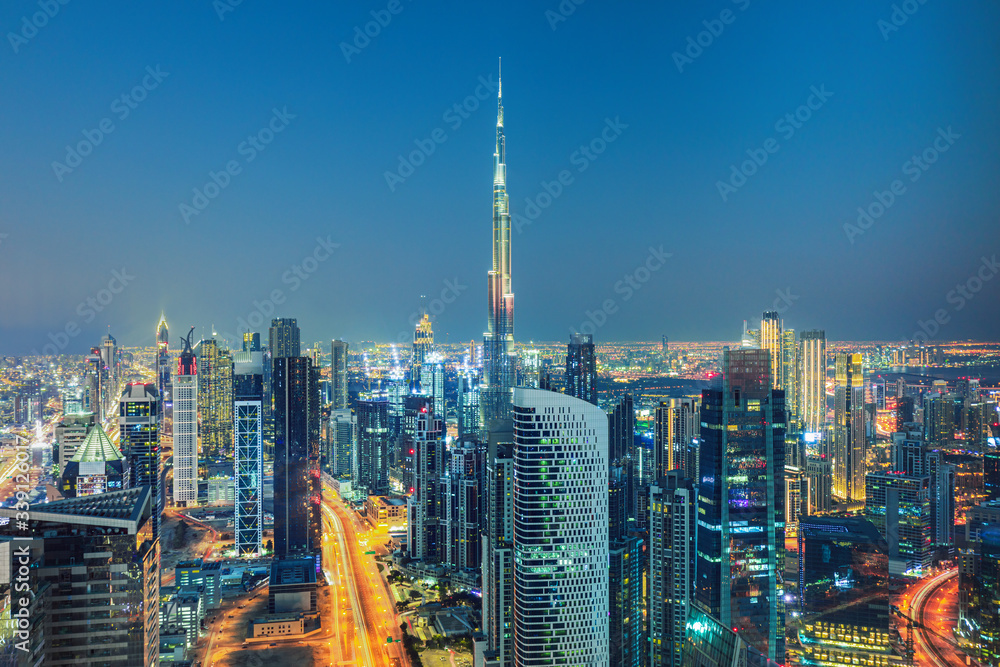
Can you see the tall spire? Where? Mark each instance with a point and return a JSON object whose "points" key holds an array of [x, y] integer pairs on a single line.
{"points": [[498, 344]]}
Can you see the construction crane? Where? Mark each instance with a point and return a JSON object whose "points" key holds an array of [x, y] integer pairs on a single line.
{"points": [[910, 625]]}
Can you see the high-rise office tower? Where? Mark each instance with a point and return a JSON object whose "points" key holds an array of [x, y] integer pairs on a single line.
{"points": [[672, 524], [979, 582], [463, 484], [741, 531], [843, 593], [797, 498], [469, 416], [819, 470], [498, 545], [296, 459], [432, 382], [812, 386], [498, 342], [423, 340], [425, 514], [251, 341], [215, 399], [676, 425], [248, 425], [185, 426], [850, 444], [95, 467], [343, 428], [991, 474], [405, 442], [791, 372], [626, 636], [284, 338], [338, 375], [139, 438], [70, 433], [163, 362], [560, 530], [109, 355], [772, 340], [373, 446], [581, 368], [94, 578], [900, 507], [621, 430]]}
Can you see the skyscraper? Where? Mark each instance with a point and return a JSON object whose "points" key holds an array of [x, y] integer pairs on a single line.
{"points": [[850, 444], [741, 514], [900, 507], [163, 362], [771, 339], [215, 399], [423, 340], [425, 513], [139, 437], [95, 564], [498, 545], [338, 375], [343, 439], [251, 341], [672, 523], [248, 408], [284, 338], [185, 426], [498, 342], [812, 386], [676, 425], [296, 459], [560, 530], [373, 446], [581, 368], [790, 362]]}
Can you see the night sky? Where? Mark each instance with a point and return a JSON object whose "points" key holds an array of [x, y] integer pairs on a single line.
{"points": [[670, 118]]}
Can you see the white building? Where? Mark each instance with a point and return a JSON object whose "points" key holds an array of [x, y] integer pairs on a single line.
{"points": [[186, 428], [560, 530]]}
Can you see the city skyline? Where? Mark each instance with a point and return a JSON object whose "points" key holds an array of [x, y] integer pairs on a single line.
{"points": [[319, 208]]}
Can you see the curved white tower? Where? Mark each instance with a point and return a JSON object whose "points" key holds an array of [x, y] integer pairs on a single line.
{"points": [[560, 530]]}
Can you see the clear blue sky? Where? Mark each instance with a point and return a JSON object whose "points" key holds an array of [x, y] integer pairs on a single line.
{"points": [[323, 175]]}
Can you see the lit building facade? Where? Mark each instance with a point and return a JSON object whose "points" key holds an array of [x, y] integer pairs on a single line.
{"points": [[850, 443], [248, 414], [673, 503], [812, 386], [581, 368], [741, 527], [338, 375], [900, 507], [498, 342], [215, 399], [185, 427], [373, 446], [139, 438], [560, 530]]}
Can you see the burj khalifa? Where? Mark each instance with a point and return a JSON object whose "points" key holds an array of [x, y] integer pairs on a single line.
{"points": [[498, 343]]}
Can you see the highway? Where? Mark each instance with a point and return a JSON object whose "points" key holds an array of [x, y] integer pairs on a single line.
{"points": [[935, 605], [372, 604]]}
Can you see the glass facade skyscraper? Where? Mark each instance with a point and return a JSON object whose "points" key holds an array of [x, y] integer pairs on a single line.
{"points": [[248, 408], [850, 443], [581, 368], [741, 529], [296, 458], [498, 342], [139, 438]]}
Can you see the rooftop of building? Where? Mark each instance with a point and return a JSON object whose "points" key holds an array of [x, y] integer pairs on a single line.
{"points": [[291, 572], [97, 446], [115, 509]]}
